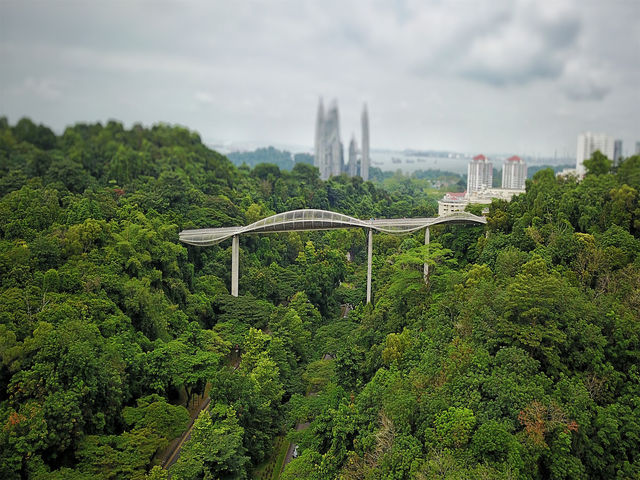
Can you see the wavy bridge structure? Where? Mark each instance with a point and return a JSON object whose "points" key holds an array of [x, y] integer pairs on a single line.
{"points": [[310, 219]]}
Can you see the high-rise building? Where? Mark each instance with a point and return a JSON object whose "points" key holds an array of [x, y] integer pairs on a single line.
{"points": [[588, 143], [353, 157], [637, 148], [364, 162], [318, 159], [617, 152], [328, 147], [329, 154], [514, 173], [333, 145], [479, 174]]}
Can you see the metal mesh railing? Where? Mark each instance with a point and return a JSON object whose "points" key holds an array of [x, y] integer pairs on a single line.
{"points": [[312, 219]]}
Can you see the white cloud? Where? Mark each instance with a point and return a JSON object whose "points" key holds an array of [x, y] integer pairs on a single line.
{"points": [[585, 81], [48, 89], [453, 74], [204, 98]]}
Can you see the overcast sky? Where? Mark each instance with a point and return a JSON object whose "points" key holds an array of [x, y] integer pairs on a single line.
{"points": [[512, 76]]}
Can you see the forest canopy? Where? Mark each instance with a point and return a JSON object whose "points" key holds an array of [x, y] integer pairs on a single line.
{"points": [[519, 358]]}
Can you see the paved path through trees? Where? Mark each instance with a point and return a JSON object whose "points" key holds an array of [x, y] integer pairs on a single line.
{"points": [[174, 453]]}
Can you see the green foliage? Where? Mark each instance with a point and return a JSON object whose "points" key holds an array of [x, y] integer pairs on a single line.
{"points": [[494, 443], [454, 426], [117, 456], [516, 358], [214, 449], [598, 164], [271, 155], [154, 413], [318, 374]]}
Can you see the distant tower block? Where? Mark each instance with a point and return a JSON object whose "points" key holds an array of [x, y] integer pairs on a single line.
{"points": [[329, 151], [617, 152], [353, 156], [318, 159], [364, 164], [588, 143], [514, 173], [479, 174], [333, 145], [329, 157]]}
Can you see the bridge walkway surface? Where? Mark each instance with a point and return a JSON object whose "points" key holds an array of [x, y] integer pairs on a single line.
{"points": [[311, 219]]}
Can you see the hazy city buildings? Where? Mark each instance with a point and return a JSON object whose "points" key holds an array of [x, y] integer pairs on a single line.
{"points": [[328, 149], [364, 162], [479, 174], [637, 148], [328, 145], [617, 152], [318, 156], [452, 202], [514, 173], [353, 157], [333, 145], [567, 173], [588, 143], [479, 185]]}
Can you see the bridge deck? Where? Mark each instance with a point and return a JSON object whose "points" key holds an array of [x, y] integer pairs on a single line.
{"points": [[309, 219]]}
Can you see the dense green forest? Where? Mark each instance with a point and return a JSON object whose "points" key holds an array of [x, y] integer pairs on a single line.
{"points": [[283, 159], [518, 360]]}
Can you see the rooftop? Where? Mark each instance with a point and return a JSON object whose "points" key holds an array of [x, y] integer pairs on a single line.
{"points": [[454, 197]]}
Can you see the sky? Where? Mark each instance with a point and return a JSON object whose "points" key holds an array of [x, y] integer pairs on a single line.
{"points": [[517, 76]]}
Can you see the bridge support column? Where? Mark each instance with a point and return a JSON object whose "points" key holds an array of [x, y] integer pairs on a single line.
{"points": [[235, 260], [369, 258], [426, 265]]}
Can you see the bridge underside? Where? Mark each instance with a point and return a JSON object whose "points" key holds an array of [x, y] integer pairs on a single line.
{"points": [[310, 219]]}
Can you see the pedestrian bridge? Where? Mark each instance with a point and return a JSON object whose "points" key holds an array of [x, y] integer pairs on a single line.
{"points": [[311, 219]]}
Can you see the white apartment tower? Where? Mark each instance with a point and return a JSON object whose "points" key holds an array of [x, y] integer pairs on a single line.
{"points": [[514, 173], [479, 174], [588, 143]]}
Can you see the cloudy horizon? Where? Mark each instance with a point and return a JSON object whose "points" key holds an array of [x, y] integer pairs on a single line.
{"points": [[497, 76]]}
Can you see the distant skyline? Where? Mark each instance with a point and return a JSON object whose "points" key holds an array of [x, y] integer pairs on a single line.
{"points": [[490, 76]]}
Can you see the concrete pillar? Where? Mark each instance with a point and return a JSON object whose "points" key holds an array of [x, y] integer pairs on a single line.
{"points": [[426, 265], [235, 260], [369, 258]]}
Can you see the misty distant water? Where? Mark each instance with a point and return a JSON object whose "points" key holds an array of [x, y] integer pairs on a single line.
{"points": [[409, 162]]}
